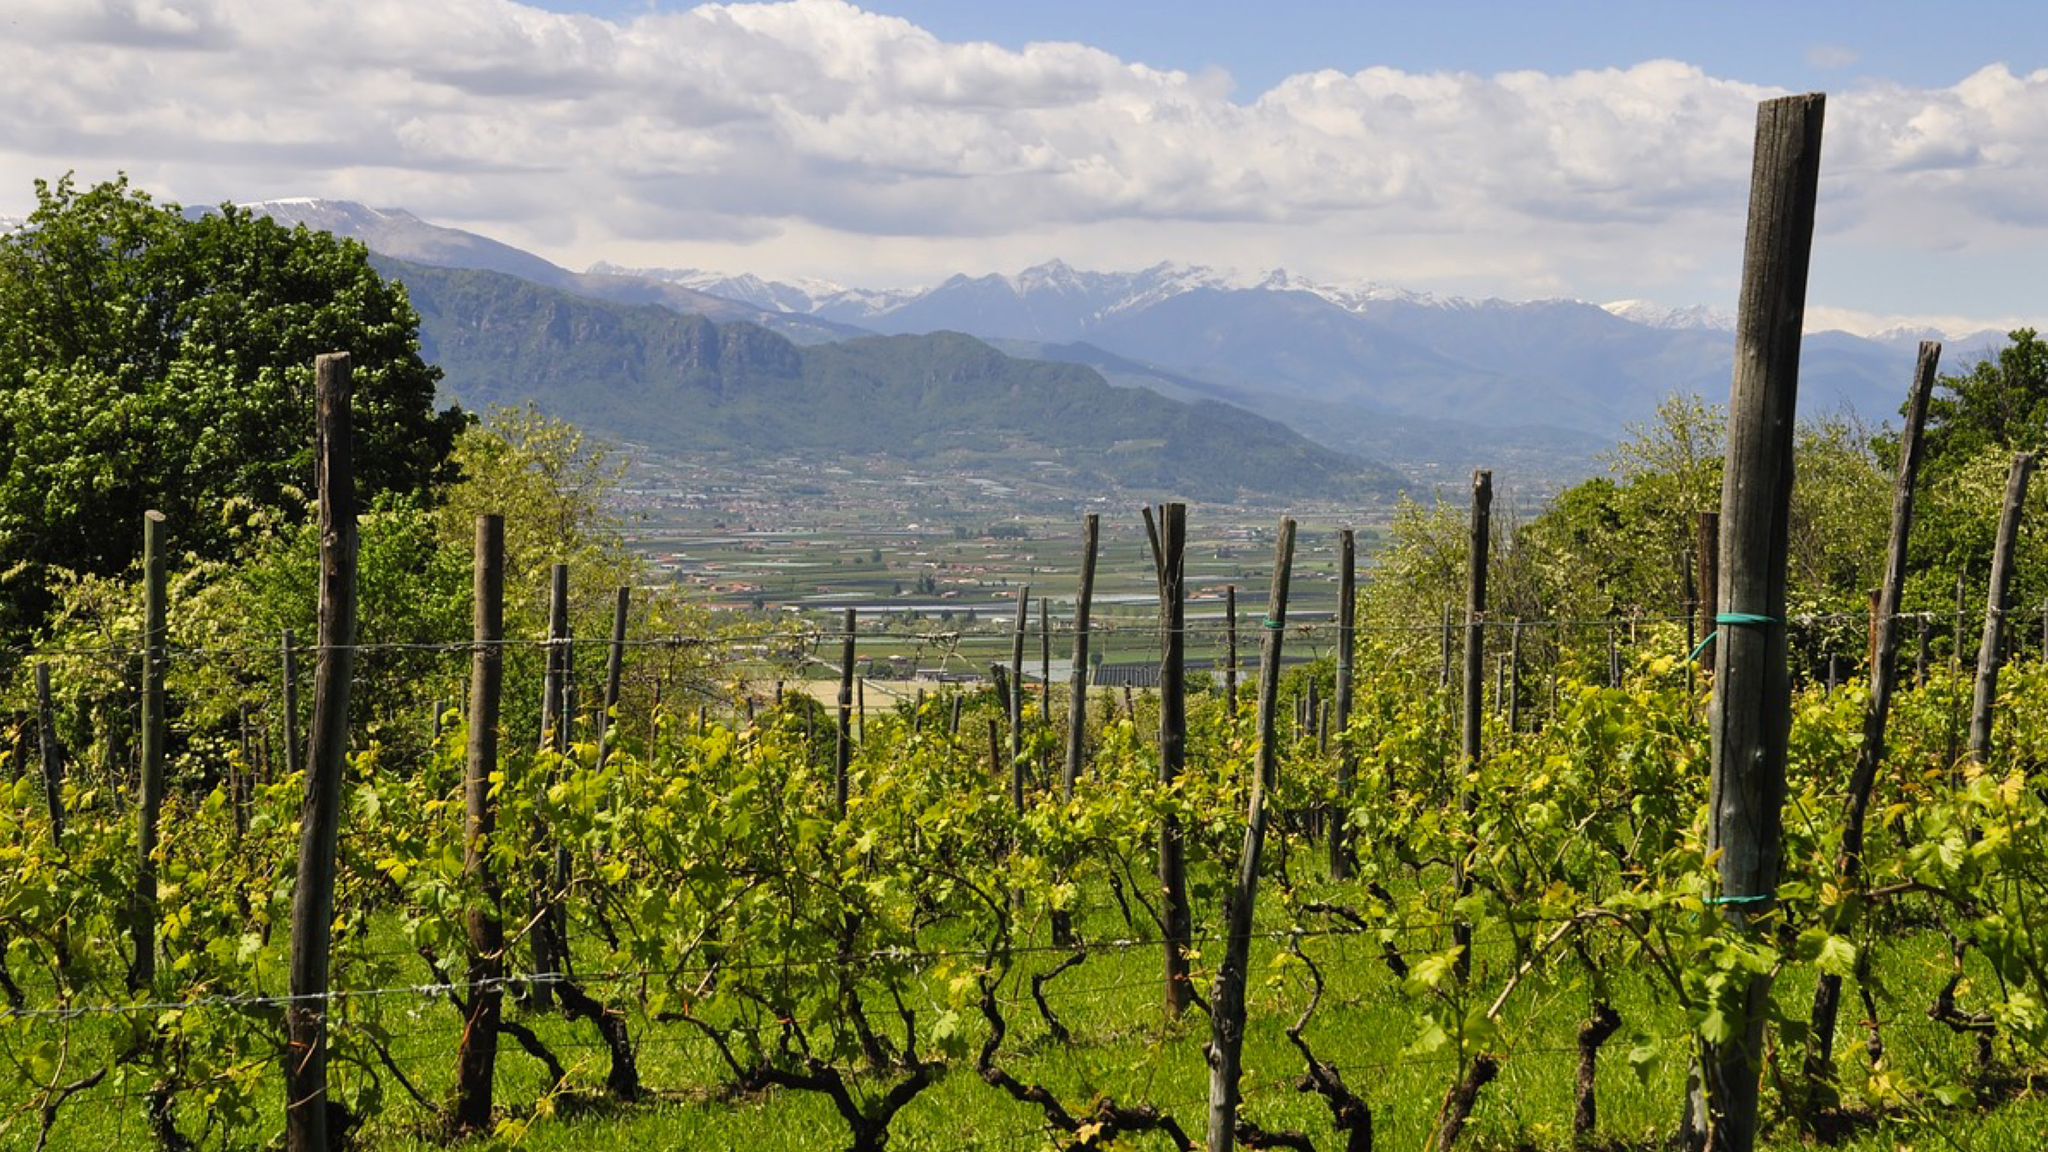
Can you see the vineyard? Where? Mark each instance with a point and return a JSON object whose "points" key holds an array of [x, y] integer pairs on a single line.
{"points": [[1706, 870], [699, 915]]}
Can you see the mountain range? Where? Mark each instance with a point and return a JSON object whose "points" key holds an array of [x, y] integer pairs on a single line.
{"points": [[1431, 385]]}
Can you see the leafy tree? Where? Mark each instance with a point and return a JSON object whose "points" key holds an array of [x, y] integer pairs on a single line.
{"points": [[2000, 403], [151, 359]]}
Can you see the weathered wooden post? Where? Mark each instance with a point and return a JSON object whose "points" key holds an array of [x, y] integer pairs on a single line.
{"points": [[476, 1060], [1751, 717], [1045, 690], [1227, 1017], [1340, 849], [1478, 545], [1989, 653], [52, 755], [1169, 538], [843, 762], [151, 798], [327, 758], [1230, 652], [614, 669], [1018, 634], [1077, 706], [1884, 627], [550, 868]]}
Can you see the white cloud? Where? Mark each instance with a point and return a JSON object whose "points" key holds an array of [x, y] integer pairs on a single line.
{"points": [[813, 137]]}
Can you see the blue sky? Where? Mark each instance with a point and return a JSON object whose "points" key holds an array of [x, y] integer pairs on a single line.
{"points": [[1809, 45], [1593, 150]]}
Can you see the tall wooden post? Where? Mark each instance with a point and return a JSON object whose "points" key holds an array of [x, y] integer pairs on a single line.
{"points": [[1751, 716], [1478, 547], [477, 1058], [1347, 654], [1045, 689], [550, 929], [614, 669], [326, 760], [1169, 537], [151, 799], [1884, 628], [52, 755], [1989, 653], [1227, 1015], [1018, 634], [554, 694], [1077, 705], [1230, 652], [843, 765]]}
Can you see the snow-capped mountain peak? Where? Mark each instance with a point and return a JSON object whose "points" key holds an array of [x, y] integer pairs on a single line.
{"points": [[1698, 316]]}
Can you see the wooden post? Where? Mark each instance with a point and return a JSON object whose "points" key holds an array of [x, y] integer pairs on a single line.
{"points": [[1478, 547], [614, 669], [1018, 634], [554, 685], [477, 1058], [1045, 689], [151, 799], [1751, 716], [1169, 537], [1989, 652], [1230, 652], [550, 935], [1870, 633], [1347, 655], [1077, 707], [52, 755], [327, 758], [843, 765], [1227, 1018], [1884, 631], [953, 723]]}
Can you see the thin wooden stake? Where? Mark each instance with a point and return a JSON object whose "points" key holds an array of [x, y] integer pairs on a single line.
{"points": [[1884, 630], [52, 754], [1227, 1016], [1478, 548], [151, 799], [843, 765], [614, 670], [1989, 652], [1077, 708], [1347, 655]]}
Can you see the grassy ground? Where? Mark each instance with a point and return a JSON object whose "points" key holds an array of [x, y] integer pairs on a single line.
{"points": [[1124, 1047]]}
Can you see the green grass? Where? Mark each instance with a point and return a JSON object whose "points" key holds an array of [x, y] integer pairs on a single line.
{"points": [[1124, 1047]]}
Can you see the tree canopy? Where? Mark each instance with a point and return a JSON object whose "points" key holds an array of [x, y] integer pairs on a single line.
{"points": [[155, 359]]}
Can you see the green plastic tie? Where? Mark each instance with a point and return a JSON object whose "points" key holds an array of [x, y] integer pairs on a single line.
{"points": [[1759, 898], [1272, 625], [1732, 618]]}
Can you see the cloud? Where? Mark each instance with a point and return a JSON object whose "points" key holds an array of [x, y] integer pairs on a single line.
{"points": [[1832, 57], [812, 130]]}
